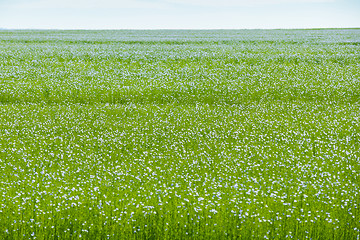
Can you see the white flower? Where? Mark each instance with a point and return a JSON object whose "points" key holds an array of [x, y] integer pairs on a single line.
{"points": [[213, 211]]}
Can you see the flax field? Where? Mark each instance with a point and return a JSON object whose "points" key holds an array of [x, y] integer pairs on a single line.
{"points": [[179, 134]]}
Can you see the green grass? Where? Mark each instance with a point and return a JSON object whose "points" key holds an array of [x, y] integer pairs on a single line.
{"points": [[180, 134]]}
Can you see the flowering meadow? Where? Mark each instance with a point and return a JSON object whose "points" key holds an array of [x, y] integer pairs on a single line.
{"points": [[227, 134]]}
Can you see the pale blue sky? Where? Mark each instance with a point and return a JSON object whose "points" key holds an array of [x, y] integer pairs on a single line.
{"points": [[178, 14]]}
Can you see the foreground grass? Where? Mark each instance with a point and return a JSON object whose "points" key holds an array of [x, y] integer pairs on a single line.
{"points": [[210, 135]]}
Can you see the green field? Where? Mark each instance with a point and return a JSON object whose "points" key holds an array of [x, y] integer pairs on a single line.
{"points": [[180, 134]]}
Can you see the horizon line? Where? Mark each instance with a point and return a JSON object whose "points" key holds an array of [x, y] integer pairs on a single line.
{"points": [[169, 29]]}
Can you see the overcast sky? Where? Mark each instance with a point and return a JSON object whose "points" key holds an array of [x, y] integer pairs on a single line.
{"points": [[178, 14]]}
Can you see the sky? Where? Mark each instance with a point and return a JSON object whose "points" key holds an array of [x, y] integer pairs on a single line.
{"points": [[178, 14]]}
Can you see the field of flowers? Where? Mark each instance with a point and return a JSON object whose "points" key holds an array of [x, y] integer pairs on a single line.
{"points": [[180, 134]]}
